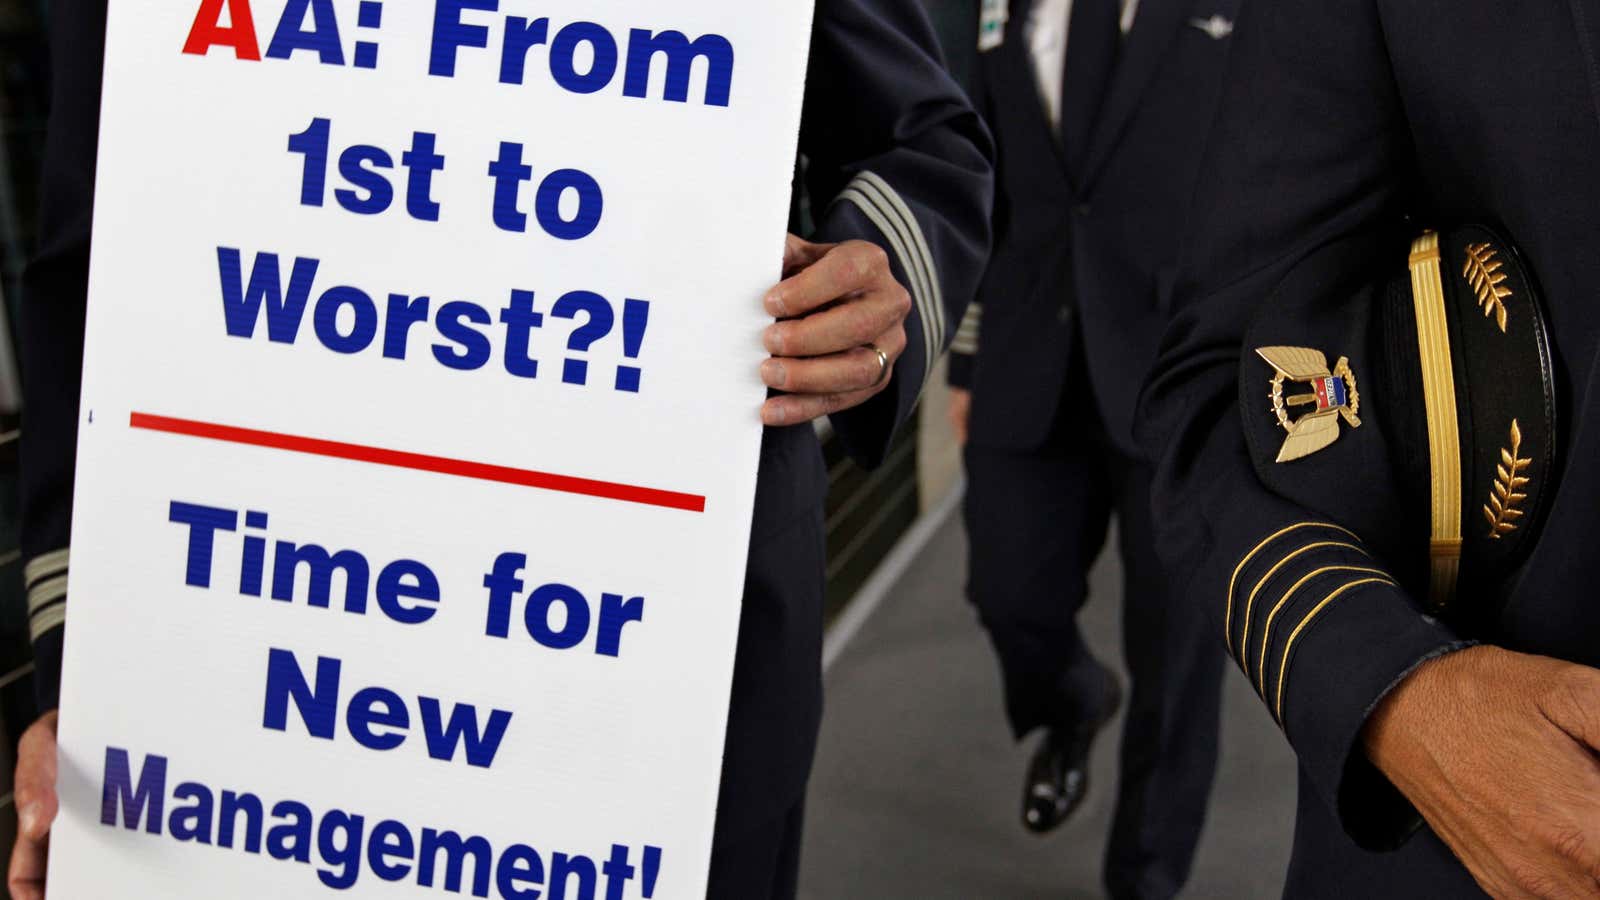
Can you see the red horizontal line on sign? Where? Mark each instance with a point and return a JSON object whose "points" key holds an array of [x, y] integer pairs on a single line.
{"points": [[442, 465]]}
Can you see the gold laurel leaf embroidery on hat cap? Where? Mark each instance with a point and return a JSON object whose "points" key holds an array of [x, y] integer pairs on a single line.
{"points": [[1505, 498], [1482, 271]]}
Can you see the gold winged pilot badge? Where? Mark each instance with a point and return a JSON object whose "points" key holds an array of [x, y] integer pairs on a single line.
{"points": [[1333, 396]]}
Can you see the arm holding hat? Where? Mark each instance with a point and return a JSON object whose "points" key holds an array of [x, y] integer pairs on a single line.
{"points": [[1492, 747]]}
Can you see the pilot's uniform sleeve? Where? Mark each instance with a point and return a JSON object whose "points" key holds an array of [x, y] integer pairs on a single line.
{"points": [[1312, 145], [896, 156], [964, 349], [963, 362], [50, 327]]}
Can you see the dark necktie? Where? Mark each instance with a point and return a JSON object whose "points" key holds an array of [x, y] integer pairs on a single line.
{"points": [[1093, 36]]}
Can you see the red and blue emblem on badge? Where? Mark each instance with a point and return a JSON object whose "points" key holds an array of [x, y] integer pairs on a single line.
{"points": [[1331, 393]]}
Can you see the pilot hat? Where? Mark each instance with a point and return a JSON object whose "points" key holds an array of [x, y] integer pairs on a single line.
{"points": [[1408, 394]]}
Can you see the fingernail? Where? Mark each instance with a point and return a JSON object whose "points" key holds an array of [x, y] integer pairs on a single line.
{"points": [[772, 372], [774, 340], [28, 818], [776, 414], [775, 304]]}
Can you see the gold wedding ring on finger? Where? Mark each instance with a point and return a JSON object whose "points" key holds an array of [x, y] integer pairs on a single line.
{"points": [[883, 363]]}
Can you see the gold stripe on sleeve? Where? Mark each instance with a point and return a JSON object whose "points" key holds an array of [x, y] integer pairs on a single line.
{"points": [[1233, 582], [1266, 628], [1283, 666], [45, 564], [1250, 603]]}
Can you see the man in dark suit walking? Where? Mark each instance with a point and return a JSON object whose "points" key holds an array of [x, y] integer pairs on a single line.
{"points": [[1100, 109]]}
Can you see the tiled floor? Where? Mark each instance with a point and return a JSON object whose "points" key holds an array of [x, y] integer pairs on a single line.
{"points": [[916, 785]]}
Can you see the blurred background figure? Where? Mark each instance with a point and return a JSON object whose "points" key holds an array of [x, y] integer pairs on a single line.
{"points": [[1100, 109], [914, 792]]}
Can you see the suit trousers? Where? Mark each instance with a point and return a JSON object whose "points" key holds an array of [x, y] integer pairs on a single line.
{"points": [[775, 702], [760, 863], [1036, 520]]}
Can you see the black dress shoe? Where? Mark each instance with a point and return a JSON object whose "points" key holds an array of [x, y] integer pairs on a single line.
{"points": [[1058, 775]]}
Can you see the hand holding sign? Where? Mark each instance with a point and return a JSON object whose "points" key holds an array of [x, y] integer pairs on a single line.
{"points": [[433, 307], [36, 808], [842, 298]]}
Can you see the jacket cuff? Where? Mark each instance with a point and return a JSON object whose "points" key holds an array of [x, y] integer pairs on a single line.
{"points": [[1373, 811], [1341, 659], [45, 577], [964, 349], [869, 210], [1323, 633], [47, 650]]}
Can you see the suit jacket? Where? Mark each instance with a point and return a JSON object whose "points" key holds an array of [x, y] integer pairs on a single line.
{"points": [[896, 156], [1084, 261], [1372, 118]]}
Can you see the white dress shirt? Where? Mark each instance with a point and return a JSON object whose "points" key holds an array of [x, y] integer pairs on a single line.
{"points": [[1046, 34]]}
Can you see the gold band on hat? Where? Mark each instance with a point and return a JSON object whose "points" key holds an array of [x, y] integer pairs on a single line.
{"points": [[1444, 437]]}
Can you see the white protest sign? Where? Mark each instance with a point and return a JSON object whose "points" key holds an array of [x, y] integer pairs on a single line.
{"points": [[418, 443]]}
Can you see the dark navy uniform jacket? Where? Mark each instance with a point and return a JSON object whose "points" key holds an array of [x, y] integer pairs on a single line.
{"points": [[1084, 261], [1354, 117], [896, 156]]}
